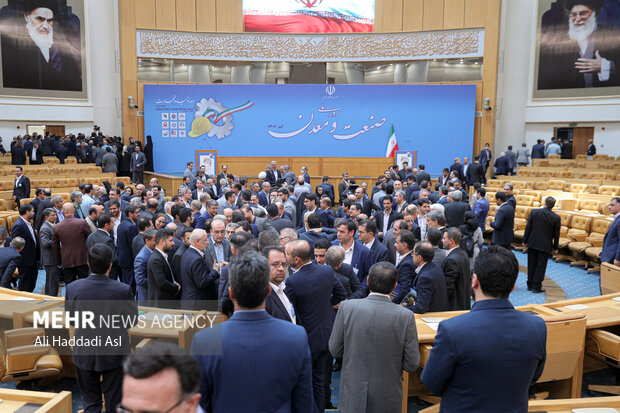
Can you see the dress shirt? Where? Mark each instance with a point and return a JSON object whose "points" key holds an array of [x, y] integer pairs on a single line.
{"points": [[17, 180], [370, 244], [295, 270], [386, 222], [380, 295], [166, 258], [202, 254], [33, 155], [348, 253], [400, 257], [418, 269], [29, 225], [451, 249], [279, 290], [219, 251], [59, 215], [423, 226], [117, 222]]}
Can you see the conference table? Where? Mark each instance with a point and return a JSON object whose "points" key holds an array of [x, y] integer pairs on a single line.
{"points": [[35, 401]]}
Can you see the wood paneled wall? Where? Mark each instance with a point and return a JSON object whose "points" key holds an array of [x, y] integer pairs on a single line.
{"points": [[390, 16]]}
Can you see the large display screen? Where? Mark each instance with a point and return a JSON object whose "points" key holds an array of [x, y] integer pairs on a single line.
{"points": [[309, 16], [309, 120]]}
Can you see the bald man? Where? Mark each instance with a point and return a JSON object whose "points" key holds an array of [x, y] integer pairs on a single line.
{"points": [[69, 244]]}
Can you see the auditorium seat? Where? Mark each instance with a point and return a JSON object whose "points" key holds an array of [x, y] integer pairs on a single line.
{"points": [[65, 196], [555, 185], [10, 220], [578, 232], [125, 179], [547, 174], [45, 182], [2, 205], [594, 240], [22, 359], [581, 156], [525, 200], [590, 206], [578, 188], [567, 204], [600, 156], [521, 216], [61, 183], [565, 348], [608, 190], [73, 182], [610, 278], [554, 157]]}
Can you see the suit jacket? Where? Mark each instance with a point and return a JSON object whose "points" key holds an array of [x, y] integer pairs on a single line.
{"points": [[62, 152], [262, 224], [275, 307], [512, 158], [542, 232], [485, 158], [291, 208], [39, 155], [503, 226], [369, 207], [378, 252], [468, 357], [406, 273], [100, 237], [263, 199], [109, 163], [233, 354], [18, 155], [72, 233], [137, 244], [481, 209], [140, 267], [501, 166], [374, 385], [104, 297], [458, 279], [361, 260], [440, 256], [280, 223], [198, 281], [475, 173], [310, 290], [46, 232], [9, 261], [379, 218], [22, 190], [161, 285], [455, 213], [137, 164], [430, 286], [422, 176], [459, 168], [349, 281], [611, 243], [538, 151], [125, 233], [210, 254]]}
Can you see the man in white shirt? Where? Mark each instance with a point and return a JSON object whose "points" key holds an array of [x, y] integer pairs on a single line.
{"points": [[277, 303]]}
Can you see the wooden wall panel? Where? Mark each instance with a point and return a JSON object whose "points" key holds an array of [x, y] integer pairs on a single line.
{"points": [[314, 165], [186, 15], [229, 16], [433, 15], [413, 12], [475, 12], [378, 26], [205, 15], [129, 61], [165, 14], [130, 115], [392, 15], [489, 74], [145, 14], [453, 14]]}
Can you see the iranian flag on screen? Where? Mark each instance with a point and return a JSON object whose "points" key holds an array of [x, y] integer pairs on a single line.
{"points": [[309, 16]]}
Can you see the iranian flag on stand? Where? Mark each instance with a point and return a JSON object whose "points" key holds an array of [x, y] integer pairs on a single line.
{"points": [[309, 16], [392, 145]]}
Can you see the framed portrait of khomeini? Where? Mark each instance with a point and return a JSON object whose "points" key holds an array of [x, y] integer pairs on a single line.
{"points": [[577, 49], [42, 49]]}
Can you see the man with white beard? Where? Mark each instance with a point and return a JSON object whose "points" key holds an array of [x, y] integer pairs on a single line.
{"points": [[33, 57], [587, 55]]}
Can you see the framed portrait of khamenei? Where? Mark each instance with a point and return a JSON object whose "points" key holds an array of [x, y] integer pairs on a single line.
{"points": [[43, 49], [208, 159], [577, 49]]}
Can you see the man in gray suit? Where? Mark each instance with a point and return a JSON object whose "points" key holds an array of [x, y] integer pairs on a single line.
{"points": [[109, 162], [48, 259], [262, 224], [218, 248], [393, 345], [136, 165]]}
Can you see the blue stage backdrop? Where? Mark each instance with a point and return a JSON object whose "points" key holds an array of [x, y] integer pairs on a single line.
{"points": [[309, 120]]}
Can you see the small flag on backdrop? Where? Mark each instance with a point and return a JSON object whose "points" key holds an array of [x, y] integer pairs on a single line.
{"points": [[392, 145]]}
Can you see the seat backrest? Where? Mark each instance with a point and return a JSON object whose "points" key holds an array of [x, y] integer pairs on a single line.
{"points": [[593, 205], [566, 174], [608, 190], [610, 278], [555, 185], [61, 183], [525, 200], [521, 212], [568, 204], [519, 184], [578, 188], [565, 345], [564, 218], [495, 183], [492, 209], [600, 226], [554, 157], [600, 156], [581, 156], [580, 223]]}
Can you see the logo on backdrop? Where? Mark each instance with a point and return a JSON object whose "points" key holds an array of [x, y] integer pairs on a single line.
{"points": [[309, 3], [214, 119]]}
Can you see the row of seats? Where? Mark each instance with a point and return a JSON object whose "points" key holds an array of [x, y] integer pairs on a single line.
{"points": [[592, 187], [585, 173], [6, 160], [56, 170], [7, 185]]}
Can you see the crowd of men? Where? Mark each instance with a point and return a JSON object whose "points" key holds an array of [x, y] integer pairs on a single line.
{"points": [[275, 244]]}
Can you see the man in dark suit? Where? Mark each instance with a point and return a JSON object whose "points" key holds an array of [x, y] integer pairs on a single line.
{"points": [[163, 287], [611, 243], [10, 260], [503, 226], [48, 259], [199, 282], [485, 158], [245, 343], [277, 303], [105, 235], [475, 368], [343, 185], [69, 244], [501, 165], [328, 188], [125, 234], [313, 290], [457, 271], [136, 165], [278, 223], [458, 167], [18, 154], [263, 195], [429, 283], [140, 265], [538, 150], [385, 218], [454, 209], [475, 172], [28, 266], [366, 231], [178, 255], [404, 244], [35, 154], [99, 368], [62, 152], [422, 175], [360, 260], [21, 186], [541, 237], [218, 248]]}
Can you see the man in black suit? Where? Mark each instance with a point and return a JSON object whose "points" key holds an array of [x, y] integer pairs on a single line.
{"points": [[422, 175], [125, 234], [385, 218], [503, 226], [475, 172], [163, 286], [10, 260], [430, 283], [510, 195], [278, 223], [62, 152], [198, 281], [21, 186], [458, 167], [178, 255], [405, 241], [104, 233], [28, 266], [313, 290], [35, 154], [455, 210], [367, 234], [277, 303], [456, 270], [542, 235], [100, 368], [501, 165], [18, 154]]}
